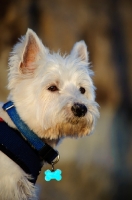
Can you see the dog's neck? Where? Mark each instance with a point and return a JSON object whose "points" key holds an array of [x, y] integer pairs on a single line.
{"points": [[7, 119]]}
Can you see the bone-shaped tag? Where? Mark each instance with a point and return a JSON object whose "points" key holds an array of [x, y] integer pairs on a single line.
{"points": [[53, 175]]}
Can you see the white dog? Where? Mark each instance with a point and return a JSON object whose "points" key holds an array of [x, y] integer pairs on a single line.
{"points": [[53, 95]]}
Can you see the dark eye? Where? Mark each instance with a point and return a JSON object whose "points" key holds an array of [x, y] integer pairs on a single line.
{"points": [[82, 90], [53, 88]]}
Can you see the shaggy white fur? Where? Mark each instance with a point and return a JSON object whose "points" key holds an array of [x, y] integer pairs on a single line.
{"points": [[44, 87]]}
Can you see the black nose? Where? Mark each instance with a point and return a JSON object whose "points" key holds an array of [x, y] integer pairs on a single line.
{"points": [[79, 110]]}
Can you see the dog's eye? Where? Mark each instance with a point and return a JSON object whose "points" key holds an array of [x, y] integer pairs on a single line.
{"points": [[82, 90], [53, 88]]}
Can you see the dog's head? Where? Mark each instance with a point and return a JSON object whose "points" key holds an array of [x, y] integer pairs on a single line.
{"points": [[53, 94]]}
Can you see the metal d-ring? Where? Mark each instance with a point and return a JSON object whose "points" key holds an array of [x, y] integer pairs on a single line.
{"points": [[55, 161]]}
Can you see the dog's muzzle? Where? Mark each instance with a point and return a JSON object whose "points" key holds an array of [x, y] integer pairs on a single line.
{"points": [[79, 110]]}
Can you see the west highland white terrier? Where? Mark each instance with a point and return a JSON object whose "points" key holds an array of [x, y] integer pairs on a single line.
{"points": [[51, 97]]}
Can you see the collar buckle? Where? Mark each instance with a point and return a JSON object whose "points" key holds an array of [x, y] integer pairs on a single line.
{"points": [[48, 154]]}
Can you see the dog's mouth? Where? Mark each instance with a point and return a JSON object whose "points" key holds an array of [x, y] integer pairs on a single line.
{"points": [[71, 126], [74, 120]]}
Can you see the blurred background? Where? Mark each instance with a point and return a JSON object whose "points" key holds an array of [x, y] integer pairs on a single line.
{"points": [[98, 167]]}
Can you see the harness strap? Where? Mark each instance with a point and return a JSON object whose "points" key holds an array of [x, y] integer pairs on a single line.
{"points": [[16, 148]]}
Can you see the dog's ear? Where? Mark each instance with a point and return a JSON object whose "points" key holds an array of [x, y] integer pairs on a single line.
{"points": [[80, 50], [31, 52]]}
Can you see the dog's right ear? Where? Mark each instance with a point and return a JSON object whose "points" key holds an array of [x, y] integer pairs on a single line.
{"points": [[31, 52]]}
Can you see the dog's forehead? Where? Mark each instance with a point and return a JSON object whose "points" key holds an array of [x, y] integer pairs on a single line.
{"points": [[61, 69], [67, 67]]}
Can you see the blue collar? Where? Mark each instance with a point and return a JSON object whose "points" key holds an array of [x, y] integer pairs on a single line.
{"points": [[45, 152]]}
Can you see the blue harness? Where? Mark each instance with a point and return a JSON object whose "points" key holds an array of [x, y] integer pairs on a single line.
{"points": [[24, 147]]}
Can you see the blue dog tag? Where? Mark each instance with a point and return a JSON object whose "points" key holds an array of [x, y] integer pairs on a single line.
{"points": [[53, 174], [49, 175]]}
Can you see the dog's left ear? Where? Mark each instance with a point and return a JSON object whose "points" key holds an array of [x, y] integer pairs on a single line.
{"points": [[31, 52], [80, 50]]}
